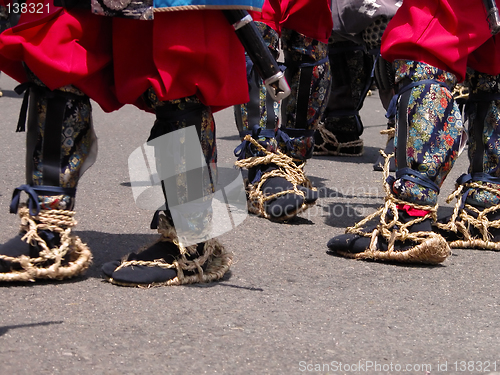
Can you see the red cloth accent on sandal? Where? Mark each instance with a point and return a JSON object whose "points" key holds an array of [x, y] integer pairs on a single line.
{"points": [[412, 211]]}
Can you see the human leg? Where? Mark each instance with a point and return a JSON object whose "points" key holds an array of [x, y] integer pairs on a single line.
{"points": [[185, 252], [60, 143], [277, 187], [428, 133], [475, 221], [338, 133]]}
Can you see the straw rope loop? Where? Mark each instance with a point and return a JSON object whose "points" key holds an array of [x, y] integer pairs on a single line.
{"points": [[287, 169], [391, 132], [70, 258], [330, 139], [191, 267], [422, 247], [393, 230], [465, 217]]}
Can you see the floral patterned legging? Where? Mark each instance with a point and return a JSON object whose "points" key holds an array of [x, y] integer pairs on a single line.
{"points": [[434, 130]]}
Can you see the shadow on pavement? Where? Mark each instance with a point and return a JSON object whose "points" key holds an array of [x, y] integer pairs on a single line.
{"points": [[5, 329]]}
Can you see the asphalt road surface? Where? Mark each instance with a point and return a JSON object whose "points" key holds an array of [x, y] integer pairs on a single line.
{"points": [[286, 307]]}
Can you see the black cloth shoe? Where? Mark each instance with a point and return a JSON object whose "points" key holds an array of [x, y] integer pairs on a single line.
{"points": [[16, 247], [283, 206], [338, 137], [430, 247], [469, 233], [144, 274]]}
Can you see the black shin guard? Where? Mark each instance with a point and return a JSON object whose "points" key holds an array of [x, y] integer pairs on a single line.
{"points": [[59, 143], [185, 161], [351, 67], [261, 110], [308, 73]]}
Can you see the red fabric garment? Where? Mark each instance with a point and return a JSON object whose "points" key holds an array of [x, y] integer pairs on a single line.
{"points": [[448, 34], [114, 61], [191, 52], [312, 18], [56, 48], [412, 211]]}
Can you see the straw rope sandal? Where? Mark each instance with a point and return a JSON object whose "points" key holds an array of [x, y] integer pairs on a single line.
{"points": [[167, 262], [282, 166], [398, 237], [327, 143], [64, 257], [470, 227]]}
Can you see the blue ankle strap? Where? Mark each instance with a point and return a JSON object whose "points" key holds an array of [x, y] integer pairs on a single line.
{"points": [[408, 174], [245, 149], [33, 193]]}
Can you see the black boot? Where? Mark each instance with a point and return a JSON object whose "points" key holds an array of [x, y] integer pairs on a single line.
{"points": [[341, 126]]}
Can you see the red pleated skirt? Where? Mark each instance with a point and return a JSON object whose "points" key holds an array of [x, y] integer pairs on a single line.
{"points": [[115, 60]]}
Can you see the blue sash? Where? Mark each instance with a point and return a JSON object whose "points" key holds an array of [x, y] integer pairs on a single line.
{"points": [[144, 9], [207, 4]]}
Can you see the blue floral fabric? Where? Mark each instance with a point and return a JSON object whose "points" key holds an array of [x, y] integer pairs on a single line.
{"points": [[298, 50], [484, 84], [434, 130]]}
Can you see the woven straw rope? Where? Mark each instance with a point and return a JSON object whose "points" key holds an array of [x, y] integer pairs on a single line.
{"points": [[56, 221], [330, 139], [481, 223], [430, 247], [287, 169], [215, 256]]}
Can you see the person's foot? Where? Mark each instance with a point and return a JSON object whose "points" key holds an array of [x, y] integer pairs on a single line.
{"points": [[45, 257], [12, 252], [472, 228], [277, 188], [282, 199], [164, 263], [334, 139], [152, 266], [417, 244]]}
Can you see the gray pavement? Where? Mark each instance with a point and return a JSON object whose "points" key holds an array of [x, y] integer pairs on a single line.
{"points": [[286, 307]]}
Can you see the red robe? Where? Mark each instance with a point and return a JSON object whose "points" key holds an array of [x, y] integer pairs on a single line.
{"points": [[312, 18], [448, 34], [115, 60]]}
